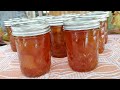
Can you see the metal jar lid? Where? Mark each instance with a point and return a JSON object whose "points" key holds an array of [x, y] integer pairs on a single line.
{"points": [[92, 16], [57, 20], [76, 24], [7, 23], [105, 13], [30, 28]]}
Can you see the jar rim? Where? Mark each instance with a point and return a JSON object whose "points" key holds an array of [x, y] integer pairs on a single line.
{"points": [[97, 17], [80, 25], [77, 21], [98, 13], [57, 20], [7, 23]]}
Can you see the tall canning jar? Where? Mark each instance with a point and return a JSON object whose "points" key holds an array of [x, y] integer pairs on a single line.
{"points": [[33, 47], [7, 25], [82, 41], [58, 47]]}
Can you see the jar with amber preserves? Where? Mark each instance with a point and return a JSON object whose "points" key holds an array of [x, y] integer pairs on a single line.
{"points": [[33, 47], [103, 33], [105, 14], [82, 39], [58, 47], [7, 25]]}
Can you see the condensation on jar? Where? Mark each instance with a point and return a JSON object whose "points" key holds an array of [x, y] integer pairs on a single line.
{"points": [[7, 25], [82, 41], [33, 47], [58, 47]]}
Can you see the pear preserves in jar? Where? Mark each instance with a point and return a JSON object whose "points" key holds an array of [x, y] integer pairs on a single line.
{"points": [[82, 41], [33, 47]]}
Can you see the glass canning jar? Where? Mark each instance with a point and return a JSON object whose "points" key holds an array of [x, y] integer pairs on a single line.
{"points": [[82, 41], [33, 47], [7, 25], [58, 47]]}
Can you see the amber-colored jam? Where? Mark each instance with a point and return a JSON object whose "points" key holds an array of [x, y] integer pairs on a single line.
{"points": [[102, 37], [106, 37], [11, 38], [34, 54], [58, 47], [8, 29], [106, 32], [82, 49]]}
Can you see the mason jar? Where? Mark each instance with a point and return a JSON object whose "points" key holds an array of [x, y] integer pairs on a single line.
{"points": [[82, 43], [105, 15], [33, 47], [7, 25], [103, 27], [58, 47]]}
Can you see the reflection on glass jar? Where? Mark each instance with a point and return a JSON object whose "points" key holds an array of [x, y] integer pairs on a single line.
{"points": [[82, 42], [105, 14], [33, 47], [106, 32], [102, 37], [104, 26], [101, 16]]}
